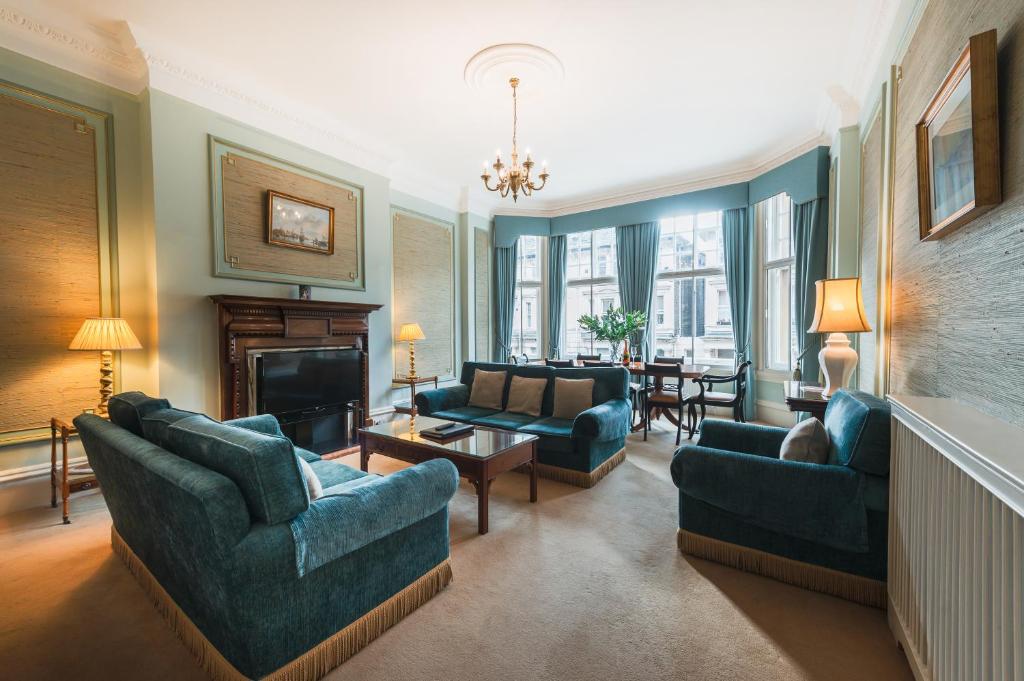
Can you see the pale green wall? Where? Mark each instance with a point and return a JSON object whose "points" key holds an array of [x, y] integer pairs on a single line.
{"points": [[184, 249], [137, 276]]}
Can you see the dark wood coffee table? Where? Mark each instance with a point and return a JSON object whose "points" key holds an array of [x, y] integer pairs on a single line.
{"points": [[480, 456]]}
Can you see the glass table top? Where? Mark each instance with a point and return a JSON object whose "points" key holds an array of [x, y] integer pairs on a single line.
{"points": [[482, 443]]}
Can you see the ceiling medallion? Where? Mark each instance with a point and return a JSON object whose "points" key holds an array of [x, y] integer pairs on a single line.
{"points": [[514, 178]]}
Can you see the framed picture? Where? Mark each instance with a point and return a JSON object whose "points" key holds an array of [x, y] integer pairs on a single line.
{"points": [[958, 143], [299, 223]]}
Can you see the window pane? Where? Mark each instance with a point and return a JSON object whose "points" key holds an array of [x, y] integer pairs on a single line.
{"points": [[578, 256], [710, 249], [577, 303], [530, 342], [604, 253], [777, 228], [529, 258], [675, 248], [713, 342], [778, 322]]}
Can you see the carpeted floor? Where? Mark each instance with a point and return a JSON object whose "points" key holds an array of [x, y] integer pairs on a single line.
{"points": [[585, 585]]}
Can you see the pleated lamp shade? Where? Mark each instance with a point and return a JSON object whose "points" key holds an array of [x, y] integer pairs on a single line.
{"points": [[105, 333], [411, 332]]}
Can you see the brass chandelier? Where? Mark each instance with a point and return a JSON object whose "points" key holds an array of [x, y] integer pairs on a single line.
{"points": [[516, 177]]}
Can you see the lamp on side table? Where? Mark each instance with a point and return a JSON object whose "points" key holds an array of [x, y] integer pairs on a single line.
{"points": [[838, 310], [105, 334]]}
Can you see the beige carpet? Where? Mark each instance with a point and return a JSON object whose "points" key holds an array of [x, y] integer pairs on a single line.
{"points": [[585, 585]]}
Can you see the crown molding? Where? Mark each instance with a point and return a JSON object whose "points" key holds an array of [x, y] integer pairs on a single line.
{"points": [[671, 189]]}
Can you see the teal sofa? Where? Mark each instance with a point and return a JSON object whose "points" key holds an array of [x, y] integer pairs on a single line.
{"points": [[215, 521], [820, 526], [578, 451]]}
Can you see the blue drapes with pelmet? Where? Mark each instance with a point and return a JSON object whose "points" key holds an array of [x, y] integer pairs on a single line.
{"points": [[505, 259], [636, 248], [556, 293], [738, 237], [810, 240]]}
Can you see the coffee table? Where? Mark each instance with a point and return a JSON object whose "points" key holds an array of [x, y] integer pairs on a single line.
{"points": [[479, 456]]}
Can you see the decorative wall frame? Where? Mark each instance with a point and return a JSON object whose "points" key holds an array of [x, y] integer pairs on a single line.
{"points": [[958, 143], [286, 213], [240, 181]]}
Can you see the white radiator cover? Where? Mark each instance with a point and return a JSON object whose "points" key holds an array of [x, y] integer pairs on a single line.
{"points": [[956, 541]]}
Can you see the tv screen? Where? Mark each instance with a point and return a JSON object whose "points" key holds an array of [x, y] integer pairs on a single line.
{"points": [[293, 381]]}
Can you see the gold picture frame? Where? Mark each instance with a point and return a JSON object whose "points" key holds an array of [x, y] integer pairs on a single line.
{"points": [[294, 222], [958, 143]]}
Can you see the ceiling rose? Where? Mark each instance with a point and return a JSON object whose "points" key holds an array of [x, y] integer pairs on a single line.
{"points": [[491, 68]]}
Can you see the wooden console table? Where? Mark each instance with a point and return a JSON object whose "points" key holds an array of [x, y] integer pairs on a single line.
{"points": [[797, 400], [71, 479], [412, 383]]}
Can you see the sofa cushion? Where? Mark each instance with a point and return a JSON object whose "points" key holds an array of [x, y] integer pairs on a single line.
{"points": [[264, 467], [466, 414], [488, 389], [572, 396], [858, 428], [313, 486], [307, 455], [127, 409], [609, 382], [525, 395], [156, 423], [807, 442], [333, 473], [550, 426], [506, 420]]}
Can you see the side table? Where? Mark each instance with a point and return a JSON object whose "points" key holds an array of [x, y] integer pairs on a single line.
{"points": [[412, 383], [798, 400], [72, 479]]}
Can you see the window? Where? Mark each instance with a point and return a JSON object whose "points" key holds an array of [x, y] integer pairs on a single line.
{"points": [[693, 317], [591, 287], [779, 347], [526, 336]]}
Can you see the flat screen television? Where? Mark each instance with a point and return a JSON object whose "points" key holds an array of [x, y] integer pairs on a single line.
{"points": [[301, 380]]}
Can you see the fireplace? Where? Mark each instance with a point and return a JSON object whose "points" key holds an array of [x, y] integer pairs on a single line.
{"points": [[303, 361]]}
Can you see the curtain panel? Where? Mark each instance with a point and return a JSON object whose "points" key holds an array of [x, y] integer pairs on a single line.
{"points": [[636, 248], [738, 229], [810, 241], [505, 260], [556, 293]]}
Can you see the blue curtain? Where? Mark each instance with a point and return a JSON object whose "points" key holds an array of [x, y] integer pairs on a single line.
{"points": [[556, 293], [738, 238], [810, 246], [505, 259], [636, 248]]}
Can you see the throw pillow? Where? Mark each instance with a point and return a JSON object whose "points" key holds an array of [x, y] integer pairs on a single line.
{"points": [[807, 441], [572, 396], [488, 389], [525, 395], [316, 490]]}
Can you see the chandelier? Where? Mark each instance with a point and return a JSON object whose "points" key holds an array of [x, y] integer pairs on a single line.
{"points": [[514, 178]]}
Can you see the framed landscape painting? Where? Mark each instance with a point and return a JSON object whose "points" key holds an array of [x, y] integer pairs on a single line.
{"points": [[958, 143], [299, 223]]}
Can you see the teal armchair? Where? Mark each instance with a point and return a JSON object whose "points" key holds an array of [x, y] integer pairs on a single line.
{"points": [[821, 526]]}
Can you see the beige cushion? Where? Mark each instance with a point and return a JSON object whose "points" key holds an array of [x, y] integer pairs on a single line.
{"points": [[316, 490], [488, 389], [807, 442], [525, 395], [572, 395]]}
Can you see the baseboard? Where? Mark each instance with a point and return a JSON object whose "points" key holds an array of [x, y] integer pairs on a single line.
{"points": [[899, 631], [775, 413]]}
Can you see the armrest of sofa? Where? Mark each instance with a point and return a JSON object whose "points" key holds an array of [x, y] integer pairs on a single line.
{"points": [[742, 437], [338, 524], [607, 421], [431, 401], [262, 423], [819, 503]]}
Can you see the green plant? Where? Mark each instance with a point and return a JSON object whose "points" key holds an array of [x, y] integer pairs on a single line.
{"points": [[615, 325]]}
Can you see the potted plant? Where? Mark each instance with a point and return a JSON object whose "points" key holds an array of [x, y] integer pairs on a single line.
{"points": [[615, 326]]}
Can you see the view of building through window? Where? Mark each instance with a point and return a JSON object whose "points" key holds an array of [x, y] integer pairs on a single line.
{"points": [[591, 288], [692, 316], [777, 262], [526, 337]]}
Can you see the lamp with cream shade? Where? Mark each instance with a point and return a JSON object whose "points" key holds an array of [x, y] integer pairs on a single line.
{"points": [[105, 334], [838, 310], [411, 333]]}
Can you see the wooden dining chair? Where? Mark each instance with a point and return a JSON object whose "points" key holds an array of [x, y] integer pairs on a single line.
{"points": [[597, 363], [707, 397], [580, 357], [634, 389], [559, 363], [669, 360], [666, 395]]}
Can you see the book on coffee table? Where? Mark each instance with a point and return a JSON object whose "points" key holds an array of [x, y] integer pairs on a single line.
{"points": [[446, 431]]}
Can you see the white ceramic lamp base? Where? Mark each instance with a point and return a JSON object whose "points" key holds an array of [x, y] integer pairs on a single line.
{"points": [[837, 360]]}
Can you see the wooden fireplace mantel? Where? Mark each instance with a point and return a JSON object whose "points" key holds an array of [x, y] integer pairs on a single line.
{"points": [[250, 323]]}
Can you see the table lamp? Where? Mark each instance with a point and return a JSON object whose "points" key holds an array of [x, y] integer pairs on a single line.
{"points": [[838, 310], [105, 334], [411, 333]]}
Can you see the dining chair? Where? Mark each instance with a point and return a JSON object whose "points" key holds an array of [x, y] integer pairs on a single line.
{"points": [[580, 357], [559, 363], [706, 397], [669, 360], [664, 395], [519, 360]]}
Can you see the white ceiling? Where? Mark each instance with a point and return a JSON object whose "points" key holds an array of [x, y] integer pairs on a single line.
{"points": [[655, 93]]}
